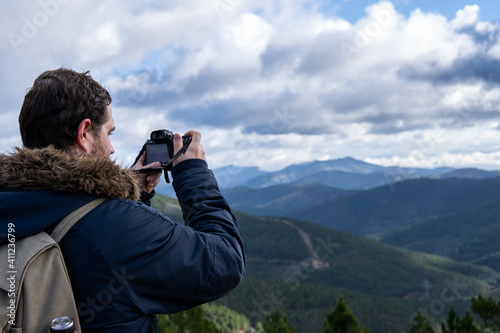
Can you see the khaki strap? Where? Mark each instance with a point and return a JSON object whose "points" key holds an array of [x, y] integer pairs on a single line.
{"points": [[70, 220]]}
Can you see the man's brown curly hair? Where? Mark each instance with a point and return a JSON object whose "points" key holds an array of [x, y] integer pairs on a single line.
{"points": [[56, 105]]}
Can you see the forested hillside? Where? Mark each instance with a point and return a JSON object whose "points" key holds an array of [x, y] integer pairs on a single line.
{"points": [[302, 268]]}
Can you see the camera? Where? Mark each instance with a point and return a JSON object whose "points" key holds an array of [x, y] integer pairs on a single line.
{"points": [[160, 146]]}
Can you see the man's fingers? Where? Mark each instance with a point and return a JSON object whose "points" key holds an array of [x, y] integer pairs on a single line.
{"points": [[177, 142], [152, 165], [140, 162], [195, 135], [195, 149]]}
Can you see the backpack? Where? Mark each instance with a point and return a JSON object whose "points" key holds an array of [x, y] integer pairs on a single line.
{"points": [[34, 283]]}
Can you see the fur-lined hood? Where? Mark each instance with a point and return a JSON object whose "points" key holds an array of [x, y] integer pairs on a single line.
{"points": [[53, 169]]}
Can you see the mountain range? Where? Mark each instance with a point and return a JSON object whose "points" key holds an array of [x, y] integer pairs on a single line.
{"points": [[452, 217], [390, 240], [302, 268], [344, 173]]}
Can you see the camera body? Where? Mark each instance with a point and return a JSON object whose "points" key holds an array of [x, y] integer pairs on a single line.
{"points": [[160, 146]]}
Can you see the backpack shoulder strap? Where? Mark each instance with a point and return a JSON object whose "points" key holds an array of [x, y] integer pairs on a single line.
{"points": [[70, 220], [37, 276]]}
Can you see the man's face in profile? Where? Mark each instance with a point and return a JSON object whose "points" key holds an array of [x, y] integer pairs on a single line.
{"points": [[101, 143]]}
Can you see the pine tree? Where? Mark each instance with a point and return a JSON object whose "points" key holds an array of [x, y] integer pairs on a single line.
{"points": [[420, 325], [455, 324], [451, 323], [342, 320], [467, 325], [190, 321], [488, 310], [277, 323]]}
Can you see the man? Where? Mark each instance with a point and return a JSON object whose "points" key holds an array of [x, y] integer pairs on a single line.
{"points": [[126, 261]]}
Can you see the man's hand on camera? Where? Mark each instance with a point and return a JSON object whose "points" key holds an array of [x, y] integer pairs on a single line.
{"points": [[195, 149], [148, 181]]}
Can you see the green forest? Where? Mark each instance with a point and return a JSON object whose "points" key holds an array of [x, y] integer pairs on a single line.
{"points": [[483, 316], [436, 272]]}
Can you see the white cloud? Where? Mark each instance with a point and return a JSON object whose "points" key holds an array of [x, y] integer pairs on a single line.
{"points": [[308, 85], [466, 17], [103, 43]]}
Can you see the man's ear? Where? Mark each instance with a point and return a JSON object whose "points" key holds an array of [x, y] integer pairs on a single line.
{"points": [[83, 136]]}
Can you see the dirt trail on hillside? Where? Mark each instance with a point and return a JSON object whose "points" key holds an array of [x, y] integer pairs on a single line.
{"points": [[317, 263]]}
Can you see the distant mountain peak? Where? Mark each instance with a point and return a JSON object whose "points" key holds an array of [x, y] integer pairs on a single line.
{"points": [[349, 158], [346, 173]]}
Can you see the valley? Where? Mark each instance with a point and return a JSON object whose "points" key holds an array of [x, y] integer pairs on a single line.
{"points": [[423, 243]]}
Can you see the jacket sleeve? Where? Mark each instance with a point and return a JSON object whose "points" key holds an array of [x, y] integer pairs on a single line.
{"points": [[146, 197], [203, 206], [182, 266]]}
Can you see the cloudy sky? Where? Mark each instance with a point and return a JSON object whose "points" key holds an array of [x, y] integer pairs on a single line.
{"points": [[270, 83]]}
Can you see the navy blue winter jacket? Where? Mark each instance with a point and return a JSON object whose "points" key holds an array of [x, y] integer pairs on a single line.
{"points": [[127, 262]]}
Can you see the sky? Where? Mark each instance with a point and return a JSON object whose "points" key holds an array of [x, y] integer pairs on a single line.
{"points": [[270, 83]]}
